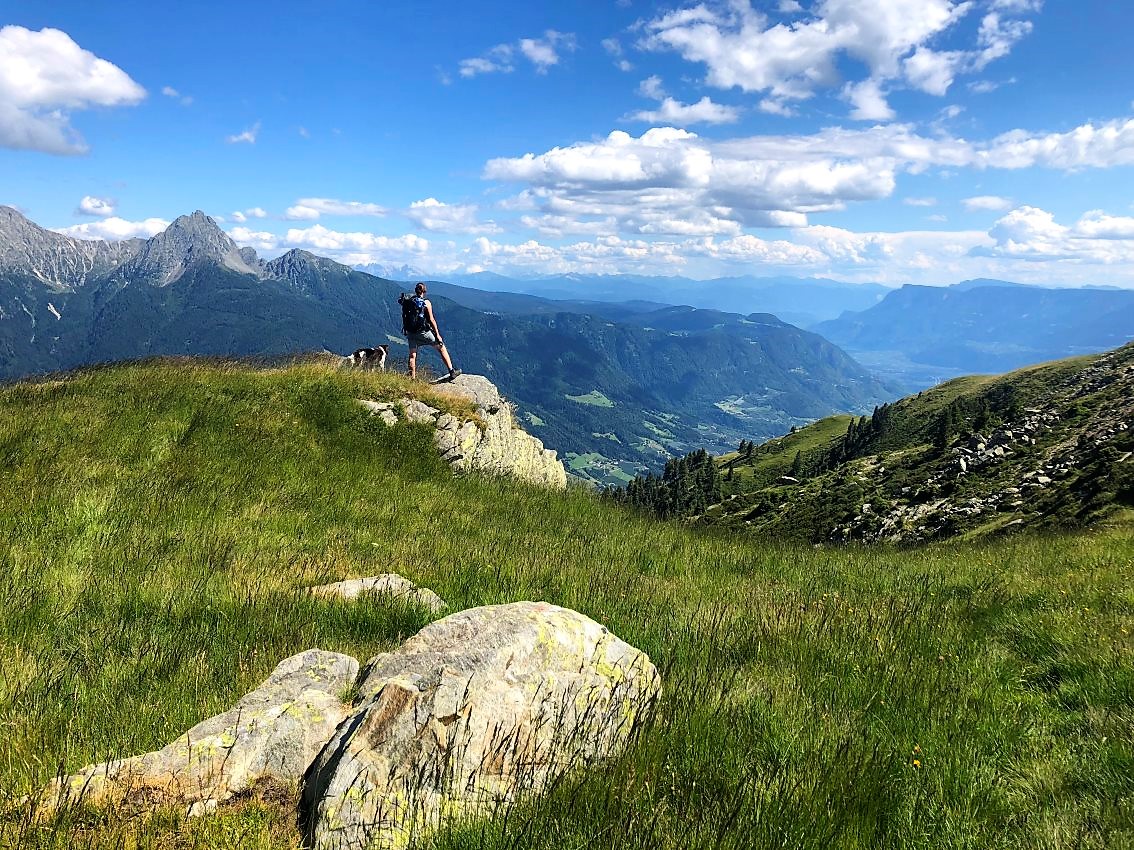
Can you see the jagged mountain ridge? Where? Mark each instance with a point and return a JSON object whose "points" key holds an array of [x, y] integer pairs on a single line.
{"points": [[621, 394], [59, 261]]}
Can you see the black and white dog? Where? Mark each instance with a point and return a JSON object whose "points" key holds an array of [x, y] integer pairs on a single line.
{"points": [[368, 358]]}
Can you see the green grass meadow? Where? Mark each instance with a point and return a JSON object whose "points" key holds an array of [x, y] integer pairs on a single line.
{"points": [[158, 522]]}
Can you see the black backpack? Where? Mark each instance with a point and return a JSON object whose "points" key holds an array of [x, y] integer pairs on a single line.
{"points": [[413, 313]]}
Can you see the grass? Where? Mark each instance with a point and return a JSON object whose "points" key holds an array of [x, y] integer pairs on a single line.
{"points": [[594, 398], [157, 521]]}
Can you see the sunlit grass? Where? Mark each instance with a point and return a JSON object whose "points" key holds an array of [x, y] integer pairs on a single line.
{"points": [[157, 522]]}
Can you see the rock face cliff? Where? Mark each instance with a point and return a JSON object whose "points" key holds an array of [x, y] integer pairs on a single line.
{"points": [[496, 445]]}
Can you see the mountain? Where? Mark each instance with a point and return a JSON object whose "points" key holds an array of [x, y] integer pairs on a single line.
{"points": [[399, 273], [801, 301], [1045, 447], [614, 392], [919, 334]]}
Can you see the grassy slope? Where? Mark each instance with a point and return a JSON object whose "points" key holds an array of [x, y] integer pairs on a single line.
{"points": [[157, 520], [756, 502]]}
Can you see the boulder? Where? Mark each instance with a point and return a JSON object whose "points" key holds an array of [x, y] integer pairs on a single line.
{"points": [[390, 585], [502, 447], [272, 733], [496, 445], [474, 712]]}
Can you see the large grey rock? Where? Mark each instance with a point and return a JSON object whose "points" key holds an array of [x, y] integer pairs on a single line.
{"points": [[496, 445], [273, 732], [390, 585], [474, 712], [502, 447]]}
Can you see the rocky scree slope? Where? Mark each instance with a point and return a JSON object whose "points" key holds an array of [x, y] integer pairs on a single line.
{"points": [[1051, 446]]}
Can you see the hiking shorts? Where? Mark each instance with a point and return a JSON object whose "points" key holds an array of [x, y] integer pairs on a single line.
{"points": [[423, 338]]}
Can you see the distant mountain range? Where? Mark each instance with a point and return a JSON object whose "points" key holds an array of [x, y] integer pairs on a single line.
{"points": [[614, 388], [922, 334], [800, 301]]}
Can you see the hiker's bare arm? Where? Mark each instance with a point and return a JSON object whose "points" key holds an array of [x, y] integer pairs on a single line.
{"points": [[432, 321]]}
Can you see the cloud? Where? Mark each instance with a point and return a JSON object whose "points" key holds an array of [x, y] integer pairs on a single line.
{"points": [[91, 205], [652, 88], [498, 61], [435, 215], [740, 47], [1033, 235], [986, 202], [704, 111], [541, 52], [671, 111], [44, 77], [309, 209], [252, 212], [247, 137], [613, 48], [920, 202], [868, 101], [114, 229], [170, 91], [1098, 225], [670, 180], [260, 240], [672, 175]]}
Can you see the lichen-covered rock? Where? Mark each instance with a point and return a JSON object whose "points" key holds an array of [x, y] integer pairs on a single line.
{"points": [[390, 585], [497, 446], [502, 448], [473, 712], [272, 733]]}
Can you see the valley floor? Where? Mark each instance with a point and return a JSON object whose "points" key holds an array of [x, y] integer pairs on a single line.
{"points": [[157, 522]]}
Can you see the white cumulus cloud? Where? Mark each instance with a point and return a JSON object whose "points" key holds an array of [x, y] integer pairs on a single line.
{"points": [[432, 214], [44, 77], [742, 47], [114, 229], [704, 111], [101, 207], [309, 209]]}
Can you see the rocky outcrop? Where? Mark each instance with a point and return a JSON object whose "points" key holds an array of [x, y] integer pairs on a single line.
{"points": [[496, 445], [390, 585], [476, 710], [272, 733]]}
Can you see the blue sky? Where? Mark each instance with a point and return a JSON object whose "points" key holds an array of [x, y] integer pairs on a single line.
{"points": [[897, 141]]}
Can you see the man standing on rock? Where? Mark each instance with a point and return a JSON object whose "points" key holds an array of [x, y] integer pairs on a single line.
{"points": [[420, 328]]}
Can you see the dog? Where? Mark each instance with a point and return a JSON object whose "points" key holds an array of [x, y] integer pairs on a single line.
{"points": [[368, 358]]}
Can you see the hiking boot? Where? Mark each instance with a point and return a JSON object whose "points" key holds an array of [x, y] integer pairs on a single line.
{"points": [[455, 373]]}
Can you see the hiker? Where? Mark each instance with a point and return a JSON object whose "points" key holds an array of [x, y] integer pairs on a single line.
{"points": [[420, 328]]}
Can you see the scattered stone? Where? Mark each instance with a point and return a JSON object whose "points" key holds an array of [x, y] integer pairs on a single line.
{"points": [[272, 734], [476, 711], [386, 584]]}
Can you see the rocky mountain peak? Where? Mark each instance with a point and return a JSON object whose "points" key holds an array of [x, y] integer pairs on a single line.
{"points": [[59, 261], [303, 270], [188, 240]]}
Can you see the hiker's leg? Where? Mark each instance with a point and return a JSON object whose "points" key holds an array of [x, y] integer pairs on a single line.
{"points": [[413, 362], [444, 352]]}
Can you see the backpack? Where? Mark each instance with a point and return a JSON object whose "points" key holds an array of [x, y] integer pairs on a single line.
{"points": [[413, 314]]}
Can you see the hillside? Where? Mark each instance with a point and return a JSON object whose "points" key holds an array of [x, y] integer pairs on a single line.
{"points": [[158, 522], [1047, 447], [921, 334], [608, 390]]}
